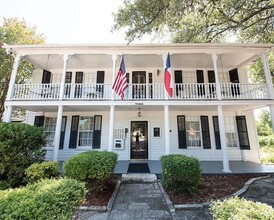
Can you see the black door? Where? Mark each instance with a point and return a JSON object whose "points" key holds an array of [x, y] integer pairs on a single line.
{"points": [[139, 145], [211, 79], [234, 79], [178, 81]]}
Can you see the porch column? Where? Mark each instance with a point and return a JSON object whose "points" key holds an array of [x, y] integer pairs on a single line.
{"points": [[269, 86], [218, 86], [167, 136], [223, 141], [8, 112], [57, 133], [111, 128], [114, 58], [267, 76], [62, 86]]}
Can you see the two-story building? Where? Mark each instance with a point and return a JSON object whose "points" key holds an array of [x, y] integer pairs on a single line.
{"points": [[209, 116]]}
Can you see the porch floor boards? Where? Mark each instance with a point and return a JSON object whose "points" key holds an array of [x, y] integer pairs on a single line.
{"points": [[208, 167]]}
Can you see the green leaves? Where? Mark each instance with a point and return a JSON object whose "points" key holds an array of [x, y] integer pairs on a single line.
{"points": [[197, 21], [180, 173]]}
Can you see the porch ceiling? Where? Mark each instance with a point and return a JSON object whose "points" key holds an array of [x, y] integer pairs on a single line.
{"points": [[141, 56]]}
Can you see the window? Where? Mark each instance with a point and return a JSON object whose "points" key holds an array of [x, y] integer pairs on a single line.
{"points": [[193, 133], [85, 137], [49, 130], [230, 132]]}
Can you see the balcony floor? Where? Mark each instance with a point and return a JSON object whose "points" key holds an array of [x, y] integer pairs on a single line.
{"points": [[208, 167]]}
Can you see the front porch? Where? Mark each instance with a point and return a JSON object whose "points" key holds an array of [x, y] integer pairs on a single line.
{"points": [[208, 167]]}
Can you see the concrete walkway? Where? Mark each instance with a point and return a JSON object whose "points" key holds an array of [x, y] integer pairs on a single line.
{"points": [[146, 201]]}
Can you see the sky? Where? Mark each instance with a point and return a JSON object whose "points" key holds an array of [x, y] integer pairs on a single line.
{"points": [[68, 21]]}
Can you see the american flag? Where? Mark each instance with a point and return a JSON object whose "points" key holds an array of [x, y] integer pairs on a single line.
{"points": [[120, 83]]}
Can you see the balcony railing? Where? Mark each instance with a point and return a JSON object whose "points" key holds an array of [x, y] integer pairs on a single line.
{"points": [[183, 91]]}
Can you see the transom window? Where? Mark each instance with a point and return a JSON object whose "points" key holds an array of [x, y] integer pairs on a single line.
{"points": [[230, 132], [49, 130], [85, 137], [193, 131]]}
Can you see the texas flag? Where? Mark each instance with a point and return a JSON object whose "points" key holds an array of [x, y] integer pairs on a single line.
{"points": [[168, 77]]}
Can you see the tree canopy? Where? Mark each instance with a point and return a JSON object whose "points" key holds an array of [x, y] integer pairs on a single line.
{"points": [[198, 21], [15, 31]]}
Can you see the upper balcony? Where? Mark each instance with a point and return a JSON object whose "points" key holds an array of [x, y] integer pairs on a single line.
{"points": [[182, 91]]}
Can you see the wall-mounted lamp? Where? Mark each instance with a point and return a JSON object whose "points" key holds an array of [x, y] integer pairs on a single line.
{"points": [[158, 72], [139, 113]]}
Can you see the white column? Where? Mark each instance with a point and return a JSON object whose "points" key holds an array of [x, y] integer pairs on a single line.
{"points": [[57, 133], [13, 76], [271, 108], [114, 58], [8, 114], [62, 86], [111, 128], [223, 139], [267, 76], [218, 86], [167, 135]]}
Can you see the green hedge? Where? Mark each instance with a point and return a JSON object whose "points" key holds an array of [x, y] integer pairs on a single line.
{"points": [[241, 209], [45, 170], [91, 165], [47, 199], [180, 173], [20, 146]]}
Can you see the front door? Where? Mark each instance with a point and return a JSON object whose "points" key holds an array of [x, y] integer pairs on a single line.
{"points": [[139, 145], [138, 84]]}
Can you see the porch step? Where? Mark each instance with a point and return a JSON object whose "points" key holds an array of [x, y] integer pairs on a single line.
{"points": [[139, 178]]}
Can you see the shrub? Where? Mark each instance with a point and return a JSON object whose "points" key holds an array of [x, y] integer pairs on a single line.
{"points": [[180, 173], [266, 141], [241, 209], [20, 146], [45, 170], [47, 199], [94, 166]]}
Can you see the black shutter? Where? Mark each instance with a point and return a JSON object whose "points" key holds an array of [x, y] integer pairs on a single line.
{"points": [[63, 131], [178, 80], [100, 80], [74, 131], [234, 78], [78, 88], [217, 132], [97, 130], [181, 131], [242, 133], [200, 79], [205, 132], [46, 77], [39, 121], [211, 79]]}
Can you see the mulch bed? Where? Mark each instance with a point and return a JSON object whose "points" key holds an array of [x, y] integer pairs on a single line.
{"points": [[212, 187], [100, 198]]}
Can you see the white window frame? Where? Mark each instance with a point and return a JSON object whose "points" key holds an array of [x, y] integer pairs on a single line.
{"points": [[89, 146], [49, 131], [231, 134], [194, 131]]}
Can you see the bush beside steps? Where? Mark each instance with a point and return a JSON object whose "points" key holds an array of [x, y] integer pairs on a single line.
{"points": [[46, 199]]}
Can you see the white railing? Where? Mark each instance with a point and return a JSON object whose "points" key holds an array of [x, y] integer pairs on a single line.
{"points": [[244, 91], [36, 91], [156, 91]]}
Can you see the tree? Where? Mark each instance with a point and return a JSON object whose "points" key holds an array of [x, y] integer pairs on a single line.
{"points": [[195, 21], [264, 126], [14, 31]]}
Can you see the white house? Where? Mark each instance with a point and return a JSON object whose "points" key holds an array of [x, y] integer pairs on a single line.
{"points": [[209, 116]]}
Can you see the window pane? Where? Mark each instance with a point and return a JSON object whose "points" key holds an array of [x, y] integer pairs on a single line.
{"points": [[193, 132], [85, 131], [49, 130]]}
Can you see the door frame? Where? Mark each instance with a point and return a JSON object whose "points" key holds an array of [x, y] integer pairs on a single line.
{"points": [[147, 139]]}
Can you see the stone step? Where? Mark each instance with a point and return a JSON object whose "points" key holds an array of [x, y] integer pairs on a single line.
{"points": [[139, 178]]}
